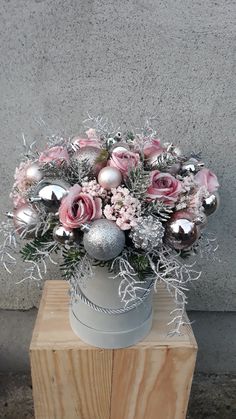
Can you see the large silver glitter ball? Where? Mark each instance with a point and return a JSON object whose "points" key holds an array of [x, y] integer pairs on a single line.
{"points": [[109, 177], [65, 236], [25, 219], [211, 203], [33, 173], [50, 192], [104, 240], [181, 231], [90, 155], [148, 233]]}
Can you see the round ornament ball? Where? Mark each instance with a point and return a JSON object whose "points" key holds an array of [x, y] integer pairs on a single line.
{"points": [[65, 236], [211, 203], [104, 240], [50, 192], [191, 166], [90, 155], [25, 219], [33, 173], [181, 231], [109, 177]]}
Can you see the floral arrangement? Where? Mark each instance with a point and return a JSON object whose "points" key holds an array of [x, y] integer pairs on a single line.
{"points": [[124, 200]]}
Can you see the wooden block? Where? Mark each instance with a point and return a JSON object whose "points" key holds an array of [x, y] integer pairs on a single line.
{"points": [[72, 380]]}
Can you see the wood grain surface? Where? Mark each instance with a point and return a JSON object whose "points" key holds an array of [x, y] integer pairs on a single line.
{"points": [[71, 379]]}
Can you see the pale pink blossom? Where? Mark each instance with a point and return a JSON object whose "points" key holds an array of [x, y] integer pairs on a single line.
{"points": [[57, 154], [153, 148], [84, 142], [124, 161], [208, 179], [78, 208], [164, 187], [124, 209], [21, 184], [93, 188]]}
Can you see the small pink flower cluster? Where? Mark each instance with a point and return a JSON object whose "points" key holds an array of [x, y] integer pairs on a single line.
{"points": [[21, 184], [124, 209], [93, 188]]}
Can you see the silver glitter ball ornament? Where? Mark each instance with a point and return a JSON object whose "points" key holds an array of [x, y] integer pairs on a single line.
{"points": [[50, 192], [148, 233], [25, 219], [103, 240], [181, 231], [211, 203], [33, 173], [65, 236], [90, 155], [109, 177]]}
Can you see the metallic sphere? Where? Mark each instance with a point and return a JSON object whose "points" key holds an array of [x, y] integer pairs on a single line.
{"points": [[181, 231], [25, 219], [109, 177], [50, 192], [211, 203], [104, 240]]}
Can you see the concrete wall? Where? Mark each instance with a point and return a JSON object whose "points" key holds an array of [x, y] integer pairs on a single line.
{"points": [[127, 60]]}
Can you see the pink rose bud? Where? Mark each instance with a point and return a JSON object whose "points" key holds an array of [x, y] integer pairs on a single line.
{"points": [[208, 179], [78, 208], [57, 154], [164, 187], [124, 161], [153, 148]]}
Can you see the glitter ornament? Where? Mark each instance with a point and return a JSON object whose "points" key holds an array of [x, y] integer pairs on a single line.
{"points": [[66, 236], [103, 239], [50, 192], [148, 233], [211, 203], [109, 177], [90, 155], [181, 231], [25, 219], [33, 173]]}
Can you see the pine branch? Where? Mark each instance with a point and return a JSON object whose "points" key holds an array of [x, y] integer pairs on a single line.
{"points": [[72, 258], [33, 251], [158, 209], [164, 161], [138, 181]]}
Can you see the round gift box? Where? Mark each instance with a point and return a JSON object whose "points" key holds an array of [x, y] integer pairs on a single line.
{"points": [[100, 318]]}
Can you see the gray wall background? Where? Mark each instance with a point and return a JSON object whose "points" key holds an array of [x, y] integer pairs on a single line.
{"points": [[128, 60]]}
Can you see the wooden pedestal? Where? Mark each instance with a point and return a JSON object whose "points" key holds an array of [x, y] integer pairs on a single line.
{"points": [[72, 380]]}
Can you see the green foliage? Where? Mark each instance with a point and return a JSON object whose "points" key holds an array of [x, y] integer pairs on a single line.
{"points": [[31, 251], [158, 209], [140, 263], [164, 161], [138, 181], [72, 258]]}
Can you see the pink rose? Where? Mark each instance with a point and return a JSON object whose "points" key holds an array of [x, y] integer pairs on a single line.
{"points": [[208, 179], [78, 207], [124, 161], [153, 148], [58, 154], [84, 142], [164, 187]]}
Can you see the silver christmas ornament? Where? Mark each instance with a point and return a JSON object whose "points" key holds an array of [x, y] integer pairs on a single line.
{"points": [[33, 173], [65, 236], [104, 240], [109, 177], [148, 233], [192, 166], [90, 155], [50, 192], [181, 231], [25, 219], [211, 203]]}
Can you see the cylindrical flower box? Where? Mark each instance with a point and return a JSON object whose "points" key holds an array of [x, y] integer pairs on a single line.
{"points": [[100, 317]]}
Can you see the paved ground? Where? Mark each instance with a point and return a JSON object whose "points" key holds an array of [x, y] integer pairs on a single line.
{"points": [[212, 397]]}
